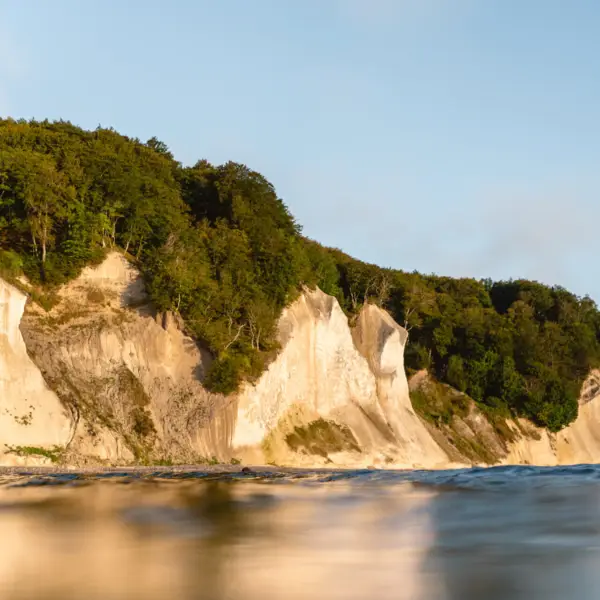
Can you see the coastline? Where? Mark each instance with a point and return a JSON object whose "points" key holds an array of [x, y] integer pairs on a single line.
{"points": [[203, 468], [141, 470]]}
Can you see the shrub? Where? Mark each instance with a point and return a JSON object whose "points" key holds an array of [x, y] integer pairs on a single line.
{"points": [[143, 425]]}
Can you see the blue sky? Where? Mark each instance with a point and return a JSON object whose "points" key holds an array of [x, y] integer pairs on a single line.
{"points": [[460, 137]]}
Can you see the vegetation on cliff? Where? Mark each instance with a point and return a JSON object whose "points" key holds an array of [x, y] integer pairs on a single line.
{"points": [[515, 346], [217, 245]]}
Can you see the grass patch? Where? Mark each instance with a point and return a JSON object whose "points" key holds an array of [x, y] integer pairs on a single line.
{"points": [[11, 264], [474, 450], [322, 437], [10, 270], [63, 318], [47, 299], [54, 454], [455, 415], [161, 462], [439, 404], [497, 415], [143, 458]]}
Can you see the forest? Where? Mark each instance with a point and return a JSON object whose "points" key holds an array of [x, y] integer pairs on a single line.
{"points": [[217, 245]]}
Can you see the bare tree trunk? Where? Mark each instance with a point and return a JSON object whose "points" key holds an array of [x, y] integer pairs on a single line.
{"points": [[252, 328], [367, 290], [44, 241], [383, 290], [237, 335], [114, 232]]}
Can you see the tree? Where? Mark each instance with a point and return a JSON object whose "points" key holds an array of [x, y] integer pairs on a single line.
{"points": [[159, 147], [456, 375], [44, 193], [218, 246]]}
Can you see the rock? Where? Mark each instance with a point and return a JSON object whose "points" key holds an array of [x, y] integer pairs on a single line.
{"points": [[324, 376], [31, 415], [382, 342], [133, 382]]}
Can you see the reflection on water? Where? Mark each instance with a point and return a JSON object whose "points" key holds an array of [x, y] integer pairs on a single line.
{"points": [[493, 534]]}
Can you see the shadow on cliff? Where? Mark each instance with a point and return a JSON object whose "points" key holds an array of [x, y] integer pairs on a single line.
{"points": [[135, 297]]}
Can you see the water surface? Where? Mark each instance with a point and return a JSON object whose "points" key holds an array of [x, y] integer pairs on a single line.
{"points": [[494, 534]]}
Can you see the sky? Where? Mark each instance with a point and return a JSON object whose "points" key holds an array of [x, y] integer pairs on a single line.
{"points": [[457, 137]]}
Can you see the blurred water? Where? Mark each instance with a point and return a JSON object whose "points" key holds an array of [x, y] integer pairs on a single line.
{"points": [[494, 534]]}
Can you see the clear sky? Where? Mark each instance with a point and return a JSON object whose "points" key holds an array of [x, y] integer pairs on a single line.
{"points": [[460, 137]]}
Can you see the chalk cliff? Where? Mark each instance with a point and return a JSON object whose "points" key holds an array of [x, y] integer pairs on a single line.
{"points": [[129, 377], [579, 443], [328, 398], [30, 413], [101, 378]]}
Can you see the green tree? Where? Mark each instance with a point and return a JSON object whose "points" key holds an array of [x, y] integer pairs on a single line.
{"points": [[218, 246]]}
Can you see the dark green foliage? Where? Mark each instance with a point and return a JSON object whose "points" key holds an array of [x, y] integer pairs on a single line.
{"points": [[456, 374], [11, 264], [517, 346], [231, 270], [66, 195], [224, 374], [218, 246], [321, 269], [215, 243], [143, 425]]}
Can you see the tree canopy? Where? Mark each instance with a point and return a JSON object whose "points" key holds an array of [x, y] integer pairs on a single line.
{"points": [[217, 245], [516, 346]]}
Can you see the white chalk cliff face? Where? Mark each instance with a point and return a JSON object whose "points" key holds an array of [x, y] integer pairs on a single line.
{"points": [[102, 379], [382, 342], [130, 378], [31, 415], [323, 378]]}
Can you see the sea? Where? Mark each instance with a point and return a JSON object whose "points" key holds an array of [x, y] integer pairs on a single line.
{"points": [[503, 533]]}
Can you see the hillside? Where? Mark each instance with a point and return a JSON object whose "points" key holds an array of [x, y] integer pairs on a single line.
{"points": [[217, 246]]}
